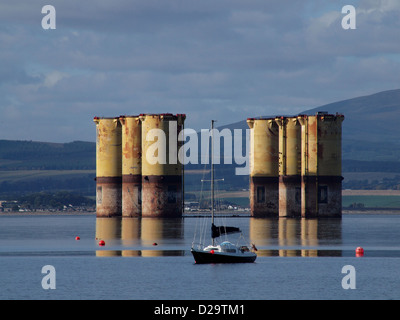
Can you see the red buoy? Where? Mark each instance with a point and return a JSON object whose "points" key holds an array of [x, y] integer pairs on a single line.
{"points": [[359, 252], [77, 238], [102, 243], [212, 251], [155, 244]]}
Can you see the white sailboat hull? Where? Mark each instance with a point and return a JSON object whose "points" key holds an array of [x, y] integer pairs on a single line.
{"points": [[224, 253]]}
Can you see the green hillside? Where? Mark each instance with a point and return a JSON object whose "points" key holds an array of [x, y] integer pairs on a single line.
{"points": [[31, 155], [28, 167], [373, 118], [371, 201]]}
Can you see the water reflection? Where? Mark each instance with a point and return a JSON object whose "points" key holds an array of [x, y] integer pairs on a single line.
{"points": [[155, 237], [296, 237], [138, 232], [130, 232]]}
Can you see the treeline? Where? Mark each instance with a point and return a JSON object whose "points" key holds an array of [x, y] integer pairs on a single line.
{"points": [[384, 184], [80, 155], [57, 201], [83, 184], [370, 166], [235, 182], [30, 155], [373, 151]]}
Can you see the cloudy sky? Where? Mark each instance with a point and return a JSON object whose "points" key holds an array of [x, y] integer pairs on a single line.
{"points": [[211, 59]]}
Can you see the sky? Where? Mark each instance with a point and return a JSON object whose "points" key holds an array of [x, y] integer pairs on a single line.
{"points": [[225, 60]]}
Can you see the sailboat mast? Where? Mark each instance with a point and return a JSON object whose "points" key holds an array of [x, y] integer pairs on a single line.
{"points": [[212, 171], [212, 175]]}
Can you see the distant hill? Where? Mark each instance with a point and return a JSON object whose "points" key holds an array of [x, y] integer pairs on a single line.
{"points": [[370, 143], [371, 129], [373, 118]]}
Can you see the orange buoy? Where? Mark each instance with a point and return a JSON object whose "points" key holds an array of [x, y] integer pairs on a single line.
{"points": [[102, 243], [359, 252], [77, 238]]}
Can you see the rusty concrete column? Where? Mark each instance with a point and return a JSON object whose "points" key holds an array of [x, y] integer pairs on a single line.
{"points": [[108, 167], [162, 173], [264, 170], [289, 167], [321, 185], [131, 166]]}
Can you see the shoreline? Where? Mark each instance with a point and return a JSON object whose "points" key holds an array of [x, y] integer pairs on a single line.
{"points": [[371, 211], [49, 213], [349, 192]]}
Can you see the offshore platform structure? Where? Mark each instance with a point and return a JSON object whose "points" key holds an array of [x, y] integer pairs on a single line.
{"points": [[264, 169], [296, 166], [127, 183]]}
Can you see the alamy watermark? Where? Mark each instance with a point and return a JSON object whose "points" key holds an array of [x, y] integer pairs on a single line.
{"points": [[349, 21], [49, 280], [349, 280], [188, 153], [49, 20]]}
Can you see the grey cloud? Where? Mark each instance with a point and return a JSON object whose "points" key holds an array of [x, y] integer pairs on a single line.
{"points": [[210, 59]]}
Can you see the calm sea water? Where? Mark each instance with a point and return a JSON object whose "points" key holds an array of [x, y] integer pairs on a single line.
{"points": [[297, 259]]}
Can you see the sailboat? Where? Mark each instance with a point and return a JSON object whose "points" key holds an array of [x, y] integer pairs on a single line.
{"points": [[225, 252]]}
